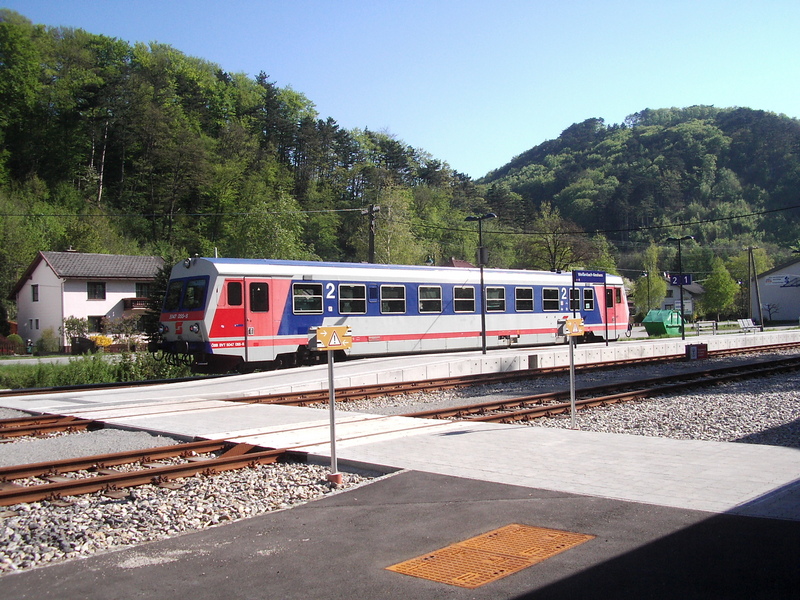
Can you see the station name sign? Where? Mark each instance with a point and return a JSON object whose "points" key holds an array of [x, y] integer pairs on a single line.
{"points": [[589, 276]]}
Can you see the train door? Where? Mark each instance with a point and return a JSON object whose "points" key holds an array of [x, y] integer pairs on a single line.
{"points": [[259, 324], [612, 312]]}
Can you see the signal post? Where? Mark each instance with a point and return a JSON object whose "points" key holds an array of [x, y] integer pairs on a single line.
{"points": [[331, 339]]}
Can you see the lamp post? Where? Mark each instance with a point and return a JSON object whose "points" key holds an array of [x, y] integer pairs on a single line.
{"points": [[482, 261], [647, 275], [680, 277]]}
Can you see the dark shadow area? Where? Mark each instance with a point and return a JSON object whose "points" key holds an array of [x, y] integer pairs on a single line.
{"points": [[787, 435], [727, 556]]}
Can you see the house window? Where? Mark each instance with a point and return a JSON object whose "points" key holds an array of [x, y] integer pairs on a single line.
{"points": [[430, 299], [95, 324], [143, 289], [35, 293], [464, 299], [393, 299], [524, 299], [96, 290], [37, 323], [307, 298], [352, 299], [495, 299]]}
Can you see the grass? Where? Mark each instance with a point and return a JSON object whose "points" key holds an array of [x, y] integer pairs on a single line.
{"points": [[88, 369]]}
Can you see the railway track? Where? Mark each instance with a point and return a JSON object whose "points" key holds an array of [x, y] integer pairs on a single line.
{"points": [[112, 473], [552, 403], [363, 392]]}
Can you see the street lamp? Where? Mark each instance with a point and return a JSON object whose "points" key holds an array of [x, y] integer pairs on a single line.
{"points": [[647, 275], [680, 276], [482, 255]]}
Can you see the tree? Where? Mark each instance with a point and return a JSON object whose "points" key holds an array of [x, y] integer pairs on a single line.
{"points": [[556, 244], [720, 289], [651, 288]]}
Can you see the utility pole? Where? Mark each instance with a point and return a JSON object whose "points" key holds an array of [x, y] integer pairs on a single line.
{"points": [[372, 212]]}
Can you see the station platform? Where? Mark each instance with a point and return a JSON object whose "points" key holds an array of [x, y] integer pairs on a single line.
{"points": [[663, 518], [341, 547], [719, 477]]}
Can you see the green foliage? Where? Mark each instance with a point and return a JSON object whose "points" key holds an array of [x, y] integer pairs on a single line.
{"points": [[20, 343], [74, 327], [89, 369], [107, 146], [48, 342], [720, 290]]}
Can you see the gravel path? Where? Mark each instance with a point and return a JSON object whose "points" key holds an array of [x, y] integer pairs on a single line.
{"points": [[762, 411]]}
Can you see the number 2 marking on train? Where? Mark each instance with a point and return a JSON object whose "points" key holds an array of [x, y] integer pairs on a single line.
{"points": [[331, 291]]}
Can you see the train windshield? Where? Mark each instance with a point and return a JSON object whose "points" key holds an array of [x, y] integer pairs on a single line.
{"points": [[186, 294]]}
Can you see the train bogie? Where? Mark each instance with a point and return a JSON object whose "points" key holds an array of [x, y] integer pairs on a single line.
{"points": [[234, 313]]}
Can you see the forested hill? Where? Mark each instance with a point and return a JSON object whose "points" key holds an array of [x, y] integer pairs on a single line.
{"points": [[107, 146], [699, 166]]}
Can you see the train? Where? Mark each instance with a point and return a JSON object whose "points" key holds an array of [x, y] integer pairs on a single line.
{"points": [[228, 314]]}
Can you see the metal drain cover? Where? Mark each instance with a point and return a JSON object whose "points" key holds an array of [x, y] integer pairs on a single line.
{"points": [[491, 556]]}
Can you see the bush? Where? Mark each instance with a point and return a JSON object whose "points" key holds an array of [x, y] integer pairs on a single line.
{"points": [[48, 343], [89, 369], [102, 341], [20, 343]]}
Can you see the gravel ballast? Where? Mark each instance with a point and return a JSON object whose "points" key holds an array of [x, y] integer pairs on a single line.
{"points": [[761, 411]]}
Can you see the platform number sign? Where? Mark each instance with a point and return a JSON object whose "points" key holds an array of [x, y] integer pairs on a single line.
{"points": [[684, 279]]}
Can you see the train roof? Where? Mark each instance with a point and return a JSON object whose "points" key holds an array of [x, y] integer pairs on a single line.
{"points": [[260, 267]]}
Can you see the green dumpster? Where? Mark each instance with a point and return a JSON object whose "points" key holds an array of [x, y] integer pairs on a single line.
{"points": [[662, 322]]}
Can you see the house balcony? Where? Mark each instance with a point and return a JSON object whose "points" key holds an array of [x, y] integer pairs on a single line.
{"points": [[135, 303]]}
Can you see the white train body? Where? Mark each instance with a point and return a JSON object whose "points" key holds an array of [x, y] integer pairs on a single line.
{"points": [[235, 313]]}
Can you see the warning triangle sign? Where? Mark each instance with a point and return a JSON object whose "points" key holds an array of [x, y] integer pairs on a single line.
{"points": [[334, 341]]}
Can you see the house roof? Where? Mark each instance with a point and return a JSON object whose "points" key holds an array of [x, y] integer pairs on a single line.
{"points": [[779, 268], [80, 265]]}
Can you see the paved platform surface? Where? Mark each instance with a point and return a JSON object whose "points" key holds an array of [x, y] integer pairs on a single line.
{"points": [[340, 546], [672, 519]]}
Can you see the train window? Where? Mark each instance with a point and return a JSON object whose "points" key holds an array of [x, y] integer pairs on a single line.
{"points": [[464, 299], [618, 295], [588, 299], [234, 293], [495, 299], [524, 299], [172, 299], [393, 299], [574, 299], [430, 299], [609, 297], [195, 295], [307, 298], [352, 299], [259, 296], [550, 299]]}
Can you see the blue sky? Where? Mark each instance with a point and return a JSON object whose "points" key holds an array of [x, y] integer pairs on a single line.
{"points": [[476, 82]]}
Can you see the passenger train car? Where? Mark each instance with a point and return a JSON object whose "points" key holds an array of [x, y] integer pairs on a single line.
{"points": [[227, 314]]}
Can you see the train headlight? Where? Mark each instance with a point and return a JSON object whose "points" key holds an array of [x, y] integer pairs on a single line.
{"points": [[163, 328], [195, 328]]}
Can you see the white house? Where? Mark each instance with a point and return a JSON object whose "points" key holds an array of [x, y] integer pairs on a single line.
{"points": [[58, 285], [779, 292], [691, 295]]}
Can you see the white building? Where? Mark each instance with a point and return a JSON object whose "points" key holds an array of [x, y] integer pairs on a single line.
{"points": [[691, 296], [58, 285], [779, 292]]}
